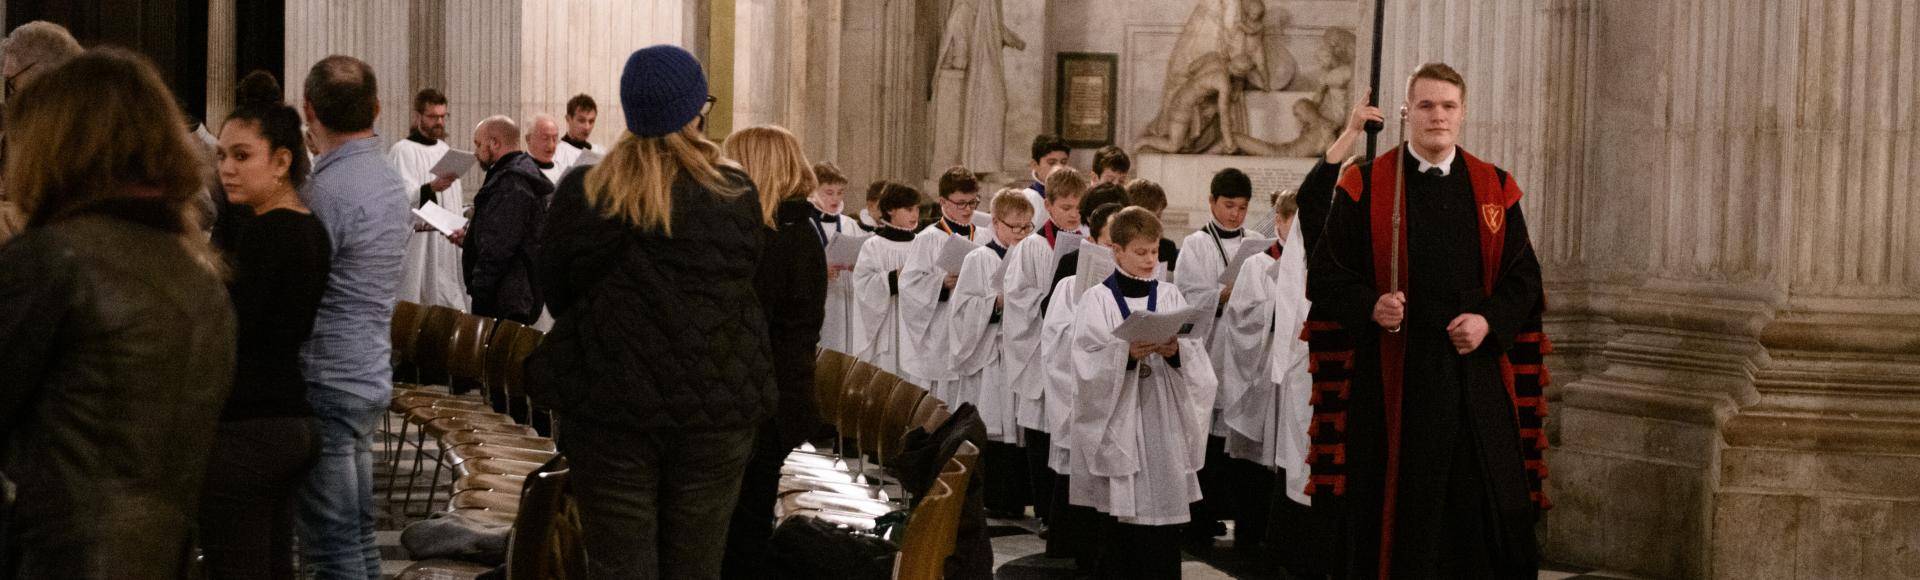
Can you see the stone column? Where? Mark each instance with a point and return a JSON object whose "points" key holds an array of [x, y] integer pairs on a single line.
{"points": [[220, 63], [374, 31], [1757, 415]]}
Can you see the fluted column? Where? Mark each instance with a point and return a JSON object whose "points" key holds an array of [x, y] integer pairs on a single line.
{"points": [[1757, 415], [375, 31], [220, 62]]}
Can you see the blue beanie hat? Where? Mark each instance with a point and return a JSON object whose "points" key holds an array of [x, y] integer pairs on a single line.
{"points": [[661, 90]]}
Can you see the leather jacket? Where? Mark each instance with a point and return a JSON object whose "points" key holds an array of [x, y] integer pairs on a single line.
{"points": [[116, 354]]}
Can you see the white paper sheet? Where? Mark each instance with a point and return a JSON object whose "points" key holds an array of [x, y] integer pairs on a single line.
{"points": [[442, 220], [589, 157], [1247, 249], [454, 163], [1065, 243], [953, 254], [1159, 327], [1094, 264], [844, 250]]}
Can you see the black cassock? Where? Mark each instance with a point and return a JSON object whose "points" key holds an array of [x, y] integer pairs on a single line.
{"points": [[1461, 504]]}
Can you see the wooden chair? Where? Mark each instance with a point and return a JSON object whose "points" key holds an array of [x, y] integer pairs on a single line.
{"points": [[829, 370], [545, 541], [844, 417], [872, 404], [933, 527], [466, 355], [407, 318], [895, 419], [922, 412]]}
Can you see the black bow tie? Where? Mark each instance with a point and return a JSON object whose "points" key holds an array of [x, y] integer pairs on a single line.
{"points": [[1226, 234], [826, 218], [1433, 172]]}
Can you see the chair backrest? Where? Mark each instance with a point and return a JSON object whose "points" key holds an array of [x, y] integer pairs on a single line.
{"points": [[894, 420], [851, 388], [937, 416], [933, 527], [466, 354], [435, 342], [546, 540], [407, 317], [873, 408], [829, 369], [499, 351]]}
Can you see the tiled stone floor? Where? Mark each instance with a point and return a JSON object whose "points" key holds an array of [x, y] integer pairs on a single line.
{"points": [[1017, 552]]}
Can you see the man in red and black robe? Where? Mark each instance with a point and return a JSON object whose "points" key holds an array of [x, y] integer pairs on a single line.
{"points": [[1427, 440]]}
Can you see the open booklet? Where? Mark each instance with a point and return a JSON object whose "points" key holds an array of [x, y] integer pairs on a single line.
{"points": [[443, 220], [454, 163], [1159, 327], [589, 157], [953, 254], [1065, 243], [844, 250], [1247, 249], [1094, 264]]}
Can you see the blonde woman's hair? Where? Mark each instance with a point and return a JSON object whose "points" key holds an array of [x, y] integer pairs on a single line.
{"points": [[772, 157], [634, 183], [110, 104]]}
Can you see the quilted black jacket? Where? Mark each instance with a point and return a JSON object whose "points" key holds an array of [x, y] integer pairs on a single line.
{"points": [[654, 332]]}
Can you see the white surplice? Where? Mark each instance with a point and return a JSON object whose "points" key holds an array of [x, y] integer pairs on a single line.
{"points": [[1138, 441], [839, 312], [924, 315], [973, 335], [1029, 280], [1203, 257], [877, 325], [432, 273]]}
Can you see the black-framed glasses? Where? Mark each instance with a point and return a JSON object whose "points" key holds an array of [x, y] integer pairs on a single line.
{"points": [[963, 204], [1026, 228]]}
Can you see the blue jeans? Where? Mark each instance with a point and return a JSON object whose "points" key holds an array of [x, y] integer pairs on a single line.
{"points": [[336, 505]]}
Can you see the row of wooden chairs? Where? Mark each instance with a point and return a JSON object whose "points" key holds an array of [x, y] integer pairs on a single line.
{"points": [[459, 381], [871, 410]]}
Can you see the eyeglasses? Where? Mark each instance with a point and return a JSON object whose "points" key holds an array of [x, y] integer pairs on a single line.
{"points": [[962, 204], [1025, 228]]}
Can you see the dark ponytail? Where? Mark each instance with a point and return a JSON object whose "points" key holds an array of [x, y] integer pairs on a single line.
{"points": [[257, 100]]}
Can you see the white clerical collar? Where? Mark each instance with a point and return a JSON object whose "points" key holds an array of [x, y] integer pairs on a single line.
{"points": [[1445, 165]]}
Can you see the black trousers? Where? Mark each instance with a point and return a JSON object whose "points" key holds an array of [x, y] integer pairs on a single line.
{"points": [[1131, 551], [655, 504], [246, 505], [1005, 467], [1039, 444], [1214, 493], [1251, 486], [749, 551]]}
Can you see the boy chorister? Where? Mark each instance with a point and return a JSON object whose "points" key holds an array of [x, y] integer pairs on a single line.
{"points": [[974, 337], [876, 280], [1263, 373], [1140, 414], [1027, 284], [1204, 255], [828, 200], [926, 288], [1075, 528]]}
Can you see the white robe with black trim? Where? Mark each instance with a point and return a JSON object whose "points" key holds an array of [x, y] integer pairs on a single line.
{"points": [[1138, 442], [431, 274], [877, 325]]}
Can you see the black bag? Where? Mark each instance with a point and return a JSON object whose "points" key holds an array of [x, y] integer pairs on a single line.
{"points": [[806, 548], [922, 455]]}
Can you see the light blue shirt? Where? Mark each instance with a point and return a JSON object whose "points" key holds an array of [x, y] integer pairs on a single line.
{"points": [[362, 202]]}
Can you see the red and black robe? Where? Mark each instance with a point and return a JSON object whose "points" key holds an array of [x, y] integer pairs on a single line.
{"points": [[1427, 462]]}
